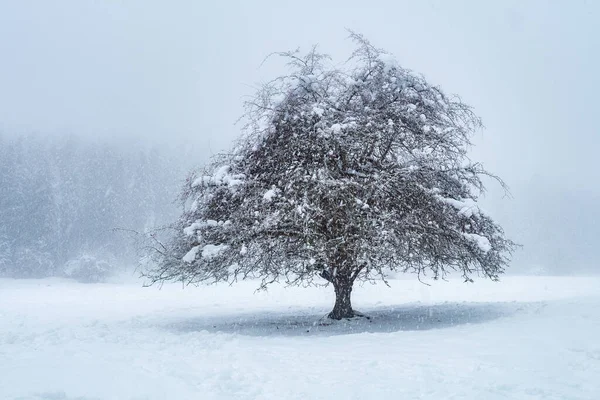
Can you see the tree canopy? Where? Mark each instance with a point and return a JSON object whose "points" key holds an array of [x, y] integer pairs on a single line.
{"points": [[343, 172]]}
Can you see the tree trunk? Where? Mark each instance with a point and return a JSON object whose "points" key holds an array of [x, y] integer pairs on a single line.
{"points": [[343, 306]]}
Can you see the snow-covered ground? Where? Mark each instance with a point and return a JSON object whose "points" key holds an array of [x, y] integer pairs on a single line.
{"points": [[522, 338]]}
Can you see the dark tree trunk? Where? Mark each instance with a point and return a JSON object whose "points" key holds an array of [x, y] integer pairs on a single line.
{"points": [[343, 306]]}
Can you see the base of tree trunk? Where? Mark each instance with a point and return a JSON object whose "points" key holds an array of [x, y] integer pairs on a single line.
{"points": [[346, 315]]}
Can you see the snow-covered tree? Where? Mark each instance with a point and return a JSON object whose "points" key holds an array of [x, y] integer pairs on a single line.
{"points": [[343, 173]]}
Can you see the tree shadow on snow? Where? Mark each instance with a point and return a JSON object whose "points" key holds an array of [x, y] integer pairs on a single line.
{"points": [[303, 322]]}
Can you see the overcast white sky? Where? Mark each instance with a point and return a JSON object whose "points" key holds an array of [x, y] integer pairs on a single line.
{"points": [[177, 71]]}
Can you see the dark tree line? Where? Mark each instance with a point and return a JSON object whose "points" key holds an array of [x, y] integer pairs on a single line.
{"points": [[61, 198]]}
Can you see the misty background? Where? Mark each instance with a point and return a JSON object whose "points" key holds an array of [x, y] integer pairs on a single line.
{"points": [[106, 105]]}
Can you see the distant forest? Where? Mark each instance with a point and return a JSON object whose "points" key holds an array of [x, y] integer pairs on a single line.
{"points": [[62, 198]]}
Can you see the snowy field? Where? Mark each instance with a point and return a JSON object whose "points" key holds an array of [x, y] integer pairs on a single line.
{"points": [[523, 338]]}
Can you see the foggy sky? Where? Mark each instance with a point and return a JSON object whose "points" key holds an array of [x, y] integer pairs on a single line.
{"points": [[159, 71]]}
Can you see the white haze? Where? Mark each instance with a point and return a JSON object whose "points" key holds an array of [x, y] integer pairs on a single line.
{"points": [[149, 73]]}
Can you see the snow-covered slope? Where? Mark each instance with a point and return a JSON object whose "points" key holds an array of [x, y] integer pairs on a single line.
{"points": [[522, 338]]}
